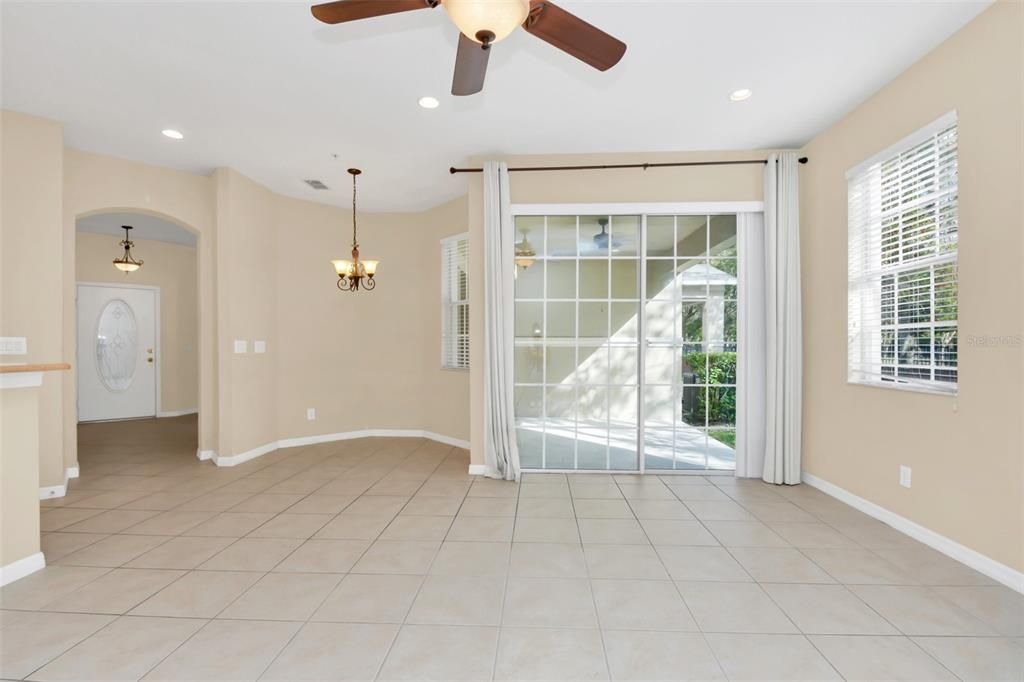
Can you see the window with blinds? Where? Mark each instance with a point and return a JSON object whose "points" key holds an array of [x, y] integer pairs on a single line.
{"points": [[455, 302], [902, 294]]}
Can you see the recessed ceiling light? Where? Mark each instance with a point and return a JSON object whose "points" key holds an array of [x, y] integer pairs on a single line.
{"points": [[173, 134], [429, 102], [741, 94]]}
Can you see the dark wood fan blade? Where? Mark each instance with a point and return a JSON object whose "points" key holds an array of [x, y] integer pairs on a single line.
{"points": [[351, 10], [569, 33], [470, 67]]}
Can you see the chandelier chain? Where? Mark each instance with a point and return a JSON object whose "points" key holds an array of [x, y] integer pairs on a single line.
{"points": [[354, 242]]}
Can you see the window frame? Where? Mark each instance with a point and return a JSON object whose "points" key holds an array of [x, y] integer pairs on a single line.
{"points": [[451, 358], [865, 242]]}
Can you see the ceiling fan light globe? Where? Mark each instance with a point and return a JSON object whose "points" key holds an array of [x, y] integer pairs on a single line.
{"points": [[497, 17]]}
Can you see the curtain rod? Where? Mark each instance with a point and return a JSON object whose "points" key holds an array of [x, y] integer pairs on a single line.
{"points": [[675, 164]]}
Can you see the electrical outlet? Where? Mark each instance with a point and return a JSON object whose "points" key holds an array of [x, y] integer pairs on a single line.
{"points": [[905, 476], [259, 346], [241, 346], [311, 413]]}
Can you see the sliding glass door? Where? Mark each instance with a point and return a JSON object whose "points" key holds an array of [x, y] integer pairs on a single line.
{"points": [[588, 289]]}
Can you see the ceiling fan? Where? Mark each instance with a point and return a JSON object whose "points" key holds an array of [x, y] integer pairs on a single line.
{"points": [[484, 22], [602, 240]]}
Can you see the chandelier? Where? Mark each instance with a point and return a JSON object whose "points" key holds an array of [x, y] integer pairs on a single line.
{"points": [[127, 262], [356, 272]]}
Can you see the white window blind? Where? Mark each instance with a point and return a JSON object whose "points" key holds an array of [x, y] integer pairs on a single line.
{"points": [[902, 294], [455, 302]]}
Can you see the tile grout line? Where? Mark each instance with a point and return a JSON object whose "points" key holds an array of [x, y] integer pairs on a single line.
{"points": [[423, 578], [264, 574], [506, 580]]}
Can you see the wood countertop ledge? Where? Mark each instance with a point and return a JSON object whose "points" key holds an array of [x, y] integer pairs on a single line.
{"points": [[41, 367]]}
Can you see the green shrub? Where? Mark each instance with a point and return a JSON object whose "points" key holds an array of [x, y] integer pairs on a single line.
{"points": [[714, 369]]}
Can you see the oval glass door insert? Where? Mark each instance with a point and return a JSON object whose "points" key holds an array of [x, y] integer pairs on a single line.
{"points": [[116, 345]]}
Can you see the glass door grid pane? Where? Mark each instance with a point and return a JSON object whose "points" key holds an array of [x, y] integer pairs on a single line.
{"points": [[578, 368]]}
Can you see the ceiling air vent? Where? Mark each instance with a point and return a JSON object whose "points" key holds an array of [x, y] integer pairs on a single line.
{"points": [[315, 184]]}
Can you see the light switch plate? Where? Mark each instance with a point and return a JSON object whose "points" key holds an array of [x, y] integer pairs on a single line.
{"points": [[905, 476], [259, 346], [13, 345], [241, 346]]}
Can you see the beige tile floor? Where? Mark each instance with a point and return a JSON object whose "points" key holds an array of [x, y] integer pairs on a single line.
{"points": [[382, 559]]}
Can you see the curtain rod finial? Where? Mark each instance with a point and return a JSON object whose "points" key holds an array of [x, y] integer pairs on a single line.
{"points": [[802, 159]]}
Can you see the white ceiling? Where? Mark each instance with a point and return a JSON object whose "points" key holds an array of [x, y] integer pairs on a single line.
{"points": [[143, 227], [264, 88]]}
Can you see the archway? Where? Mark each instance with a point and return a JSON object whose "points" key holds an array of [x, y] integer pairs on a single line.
{"points": [[137, 336], [203, 303]]}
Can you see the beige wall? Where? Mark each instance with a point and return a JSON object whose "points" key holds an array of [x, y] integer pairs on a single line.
{"points": [[967, 451], [688, 184], [31, 279], [264, 266], [364, 360], [172, 267], [247, 257], [94, 183], [445, 391], [19, 471]]}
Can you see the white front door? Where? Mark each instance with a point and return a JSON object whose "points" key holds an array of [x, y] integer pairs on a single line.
{"points": [[117, 360]]}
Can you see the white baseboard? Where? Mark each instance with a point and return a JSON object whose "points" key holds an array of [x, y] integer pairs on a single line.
{"points": [[51, 491], [477, 469], [48, 492], [232, 460], [17, 570], [203, 455], [178, 413], [1002, 573]]}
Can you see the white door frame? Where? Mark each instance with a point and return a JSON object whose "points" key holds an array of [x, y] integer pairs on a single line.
{"points": [[643, 209], [156, 340]]}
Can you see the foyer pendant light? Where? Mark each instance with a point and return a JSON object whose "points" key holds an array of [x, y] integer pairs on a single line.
{"points": [[127, 263], [356, 272]]}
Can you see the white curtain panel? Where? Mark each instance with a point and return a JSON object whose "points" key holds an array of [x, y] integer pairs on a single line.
{"points": [[782, 317], [750, 360], [501, 455]]}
